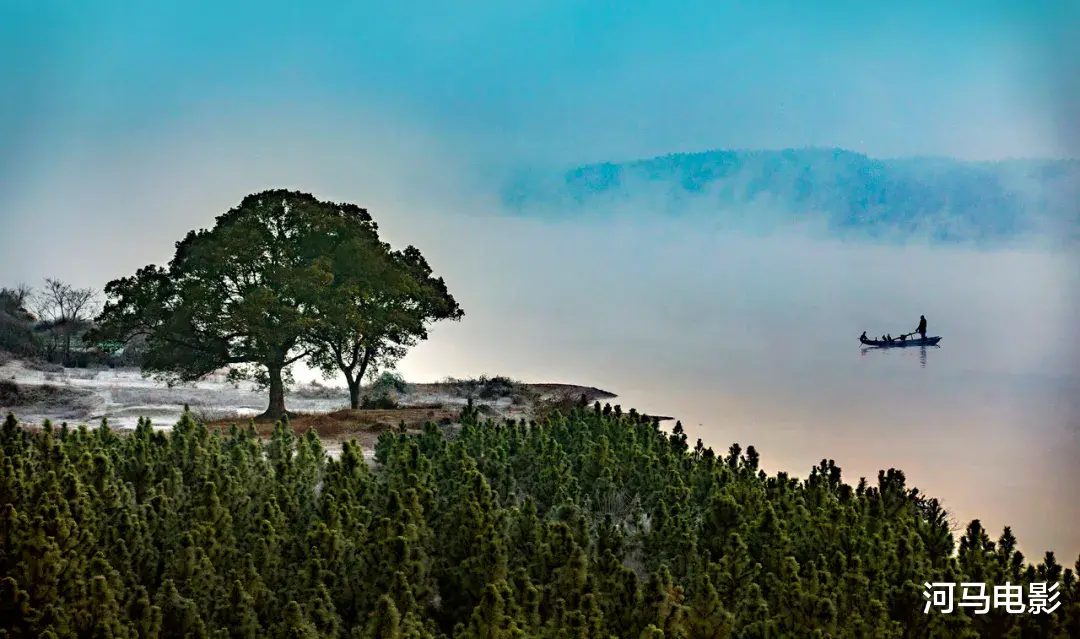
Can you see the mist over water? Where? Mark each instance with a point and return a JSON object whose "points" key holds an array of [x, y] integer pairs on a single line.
{"points": [[754, 340], [744, 338]]}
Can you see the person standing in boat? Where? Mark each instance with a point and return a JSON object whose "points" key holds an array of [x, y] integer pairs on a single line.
{"points": [[922, 327]]}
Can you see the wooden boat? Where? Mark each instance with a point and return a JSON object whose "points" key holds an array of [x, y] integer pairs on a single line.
{"points": [[897, 343]]}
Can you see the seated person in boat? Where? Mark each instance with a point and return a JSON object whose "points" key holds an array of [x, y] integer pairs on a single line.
{"points": [[862, 338]]}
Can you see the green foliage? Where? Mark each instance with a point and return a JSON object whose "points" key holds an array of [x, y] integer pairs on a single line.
{"points": [[17, 334], [239, 294], [280, 278], [383, 391], [378, 305], [56, 337], [381, 401], [485, 387], [389, 382], [592, 524]]}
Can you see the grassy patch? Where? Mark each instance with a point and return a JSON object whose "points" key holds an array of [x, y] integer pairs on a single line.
{"points": [[46, 395], [561, 402], [378, 402], [489, 388], [42, 366], [348, 423], [316, 390]]}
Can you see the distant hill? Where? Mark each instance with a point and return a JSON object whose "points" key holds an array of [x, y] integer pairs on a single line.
{"points": [[831, 190]]}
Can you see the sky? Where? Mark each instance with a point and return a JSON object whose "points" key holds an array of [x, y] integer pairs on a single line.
{"points": [[109, 105], [123, 125], [556, 81]]}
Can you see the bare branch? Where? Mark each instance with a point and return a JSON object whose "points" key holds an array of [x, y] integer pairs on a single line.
{"points": [[59, 302]]}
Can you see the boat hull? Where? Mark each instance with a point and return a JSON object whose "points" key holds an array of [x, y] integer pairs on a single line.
{"points": [[929, 341]]}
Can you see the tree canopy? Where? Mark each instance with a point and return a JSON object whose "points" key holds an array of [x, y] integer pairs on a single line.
{"points": [[279, 278], [379, 304]]}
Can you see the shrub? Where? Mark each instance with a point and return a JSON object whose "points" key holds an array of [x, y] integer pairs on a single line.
{"points": [[389, 382], [382, 401], [485, 387]]}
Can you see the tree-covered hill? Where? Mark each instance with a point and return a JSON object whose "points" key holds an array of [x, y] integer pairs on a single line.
{"points": [[835, 191], [593, 525]]}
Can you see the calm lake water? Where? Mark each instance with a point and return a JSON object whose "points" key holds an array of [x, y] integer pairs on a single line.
{"points": [[754, 340]]}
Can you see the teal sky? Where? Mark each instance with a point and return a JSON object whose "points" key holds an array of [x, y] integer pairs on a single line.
{"points": [[124, 125], [531, 81]]}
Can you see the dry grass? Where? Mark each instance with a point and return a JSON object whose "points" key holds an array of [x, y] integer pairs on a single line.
{"points": [[82, 373], [424, 405], [562, 402], [43, 395], [560, 392], [316, 390], [42, 366], [362, 425]]}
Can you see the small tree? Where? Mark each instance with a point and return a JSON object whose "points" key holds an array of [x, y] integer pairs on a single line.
{"points": [[380, 304], [65, 311], [16, 299], [17, 322]]}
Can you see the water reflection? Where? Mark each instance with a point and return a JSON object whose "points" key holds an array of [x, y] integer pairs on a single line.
{"points": [[899, 352]]}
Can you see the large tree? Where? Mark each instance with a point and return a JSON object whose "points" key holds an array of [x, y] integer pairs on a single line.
{"points": [[380, 303], [248, 293]]}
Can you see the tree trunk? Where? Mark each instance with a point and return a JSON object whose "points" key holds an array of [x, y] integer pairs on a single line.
{"points": [[354, 390], [353, 381], [276, 408]]}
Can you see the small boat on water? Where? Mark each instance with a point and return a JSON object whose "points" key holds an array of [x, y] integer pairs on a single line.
{"points": [[898, 343]]}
